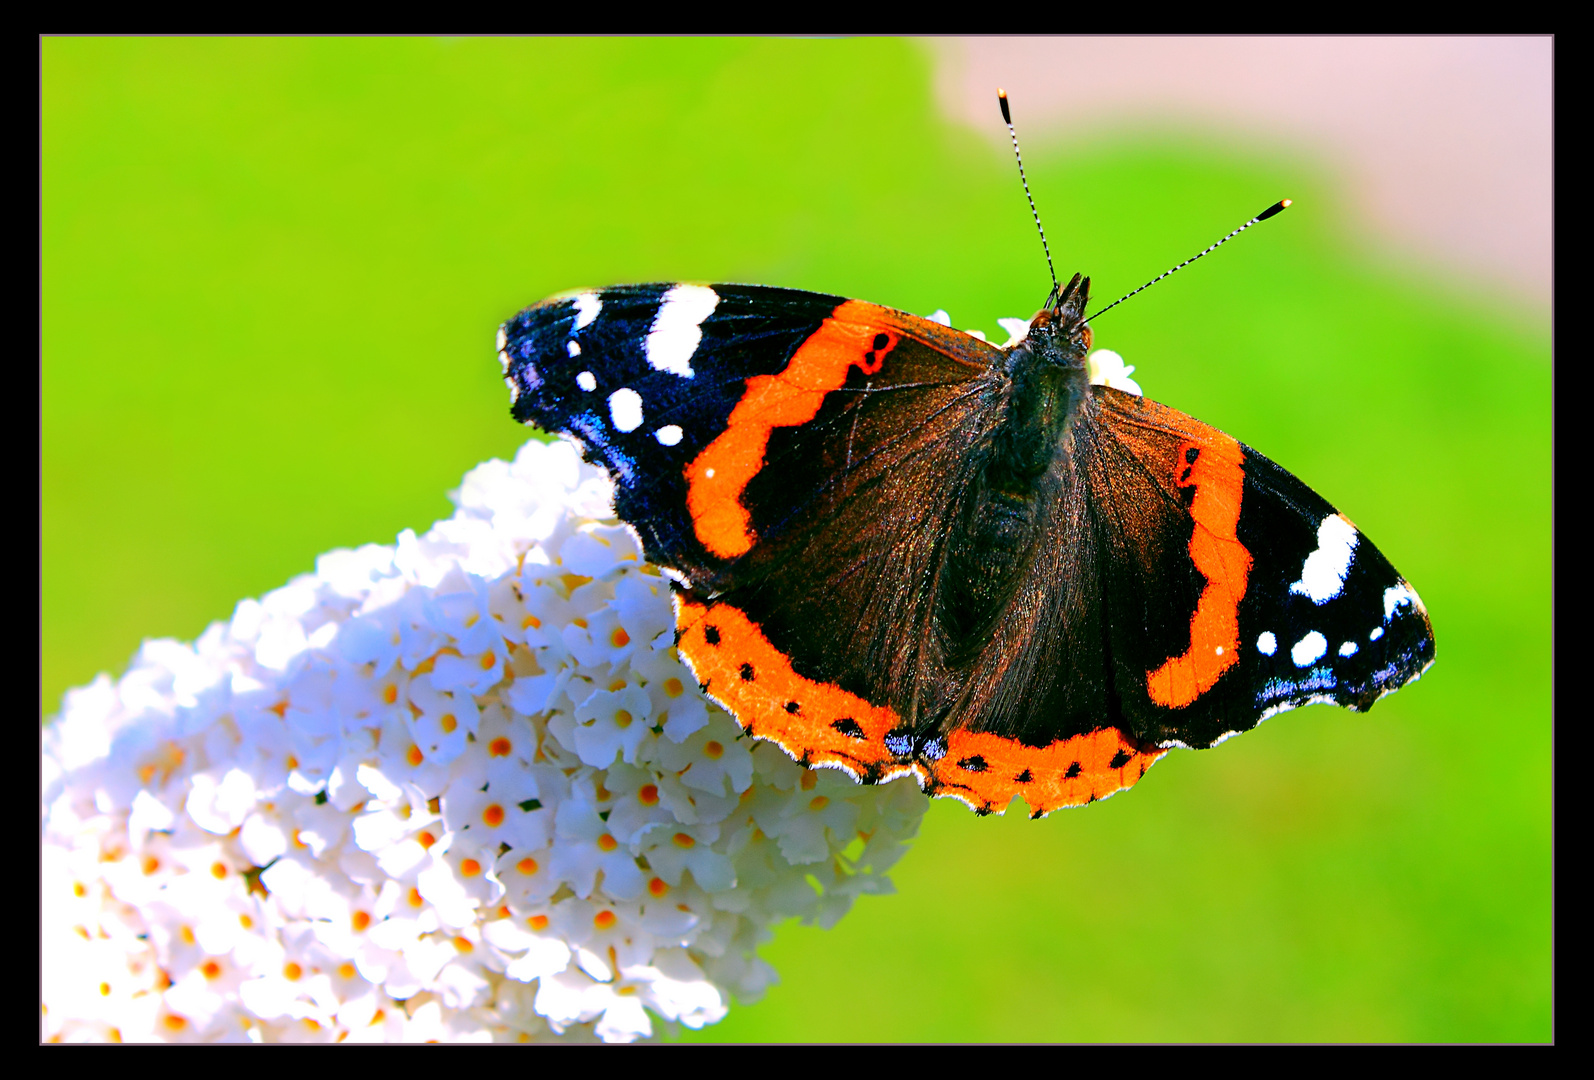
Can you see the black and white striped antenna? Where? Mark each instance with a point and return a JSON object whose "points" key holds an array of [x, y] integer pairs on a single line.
{"points": [[1277, 207], [1007, 118]]}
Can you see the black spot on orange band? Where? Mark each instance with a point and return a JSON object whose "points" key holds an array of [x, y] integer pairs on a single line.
{"points": [[1069, 772], [832, 727], [829, 726]]}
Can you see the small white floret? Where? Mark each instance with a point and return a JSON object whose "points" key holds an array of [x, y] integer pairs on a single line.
{"points": [[1107, 368], [625, 409], [1017, 331], [940, 316]]}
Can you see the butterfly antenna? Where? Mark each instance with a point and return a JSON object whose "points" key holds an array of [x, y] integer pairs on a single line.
{"points": [[1263, 216], [1007, 118]]}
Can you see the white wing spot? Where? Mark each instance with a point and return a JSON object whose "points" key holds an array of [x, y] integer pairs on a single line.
{"points": [[1309, 649], [503, 360], [514, 389], [941, 317], [1378, 632], [677, 328], [503, 338], [1396, 595], [587, 306], [1348, 649], [1323, 572], [1219, 650], [572, 348], [625, 409], [709, 473], [587, 381], [669, 434], [1267, 644]]}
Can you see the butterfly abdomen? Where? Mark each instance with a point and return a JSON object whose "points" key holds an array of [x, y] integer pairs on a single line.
{"points": [[1005, 514]]}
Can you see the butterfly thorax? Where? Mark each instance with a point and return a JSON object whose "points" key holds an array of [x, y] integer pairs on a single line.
{"points": [[1008, 509], [1046, 384], [1046, 388]]}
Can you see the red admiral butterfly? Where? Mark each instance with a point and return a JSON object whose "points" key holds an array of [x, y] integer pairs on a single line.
{"points": [[897, 549]]}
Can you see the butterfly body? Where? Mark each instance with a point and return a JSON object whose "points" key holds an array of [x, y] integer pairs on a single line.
{"points": [[897, 549]]}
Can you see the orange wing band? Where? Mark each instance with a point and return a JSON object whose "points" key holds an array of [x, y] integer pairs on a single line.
{"points": [[816, 723], [986, 770], [820, 724], [855, 334], [1215, 470]]}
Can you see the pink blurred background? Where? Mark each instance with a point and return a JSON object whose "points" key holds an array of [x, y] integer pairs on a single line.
{"points": [[1443, 143]]}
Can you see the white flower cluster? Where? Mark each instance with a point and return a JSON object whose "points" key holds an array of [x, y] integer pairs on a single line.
{"points": [[460, 788]]}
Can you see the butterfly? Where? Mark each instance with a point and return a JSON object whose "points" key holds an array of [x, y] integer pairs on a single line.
{"points": [[897, 549]]}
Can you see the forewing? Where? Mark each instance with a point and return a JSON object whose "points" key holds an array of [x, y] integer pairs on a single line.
{"points": [[1295, 604], [645, 377], [822, 454], [1191, 588]]}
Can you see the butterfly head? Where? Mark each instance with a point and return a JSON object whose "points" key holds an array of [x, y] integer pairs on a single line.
{"points": [[1058, 331]]}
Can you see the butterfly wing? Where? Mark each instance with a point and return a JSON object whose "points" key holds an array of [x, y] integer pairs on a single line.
{"points": [[1197, 589], [795, 458], [1296, 605], [813, 471], [645, 377]]}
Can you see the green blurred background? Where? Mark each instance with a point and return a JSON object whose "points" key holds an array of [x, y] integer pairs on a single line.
{"points": [[272, 271]]}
